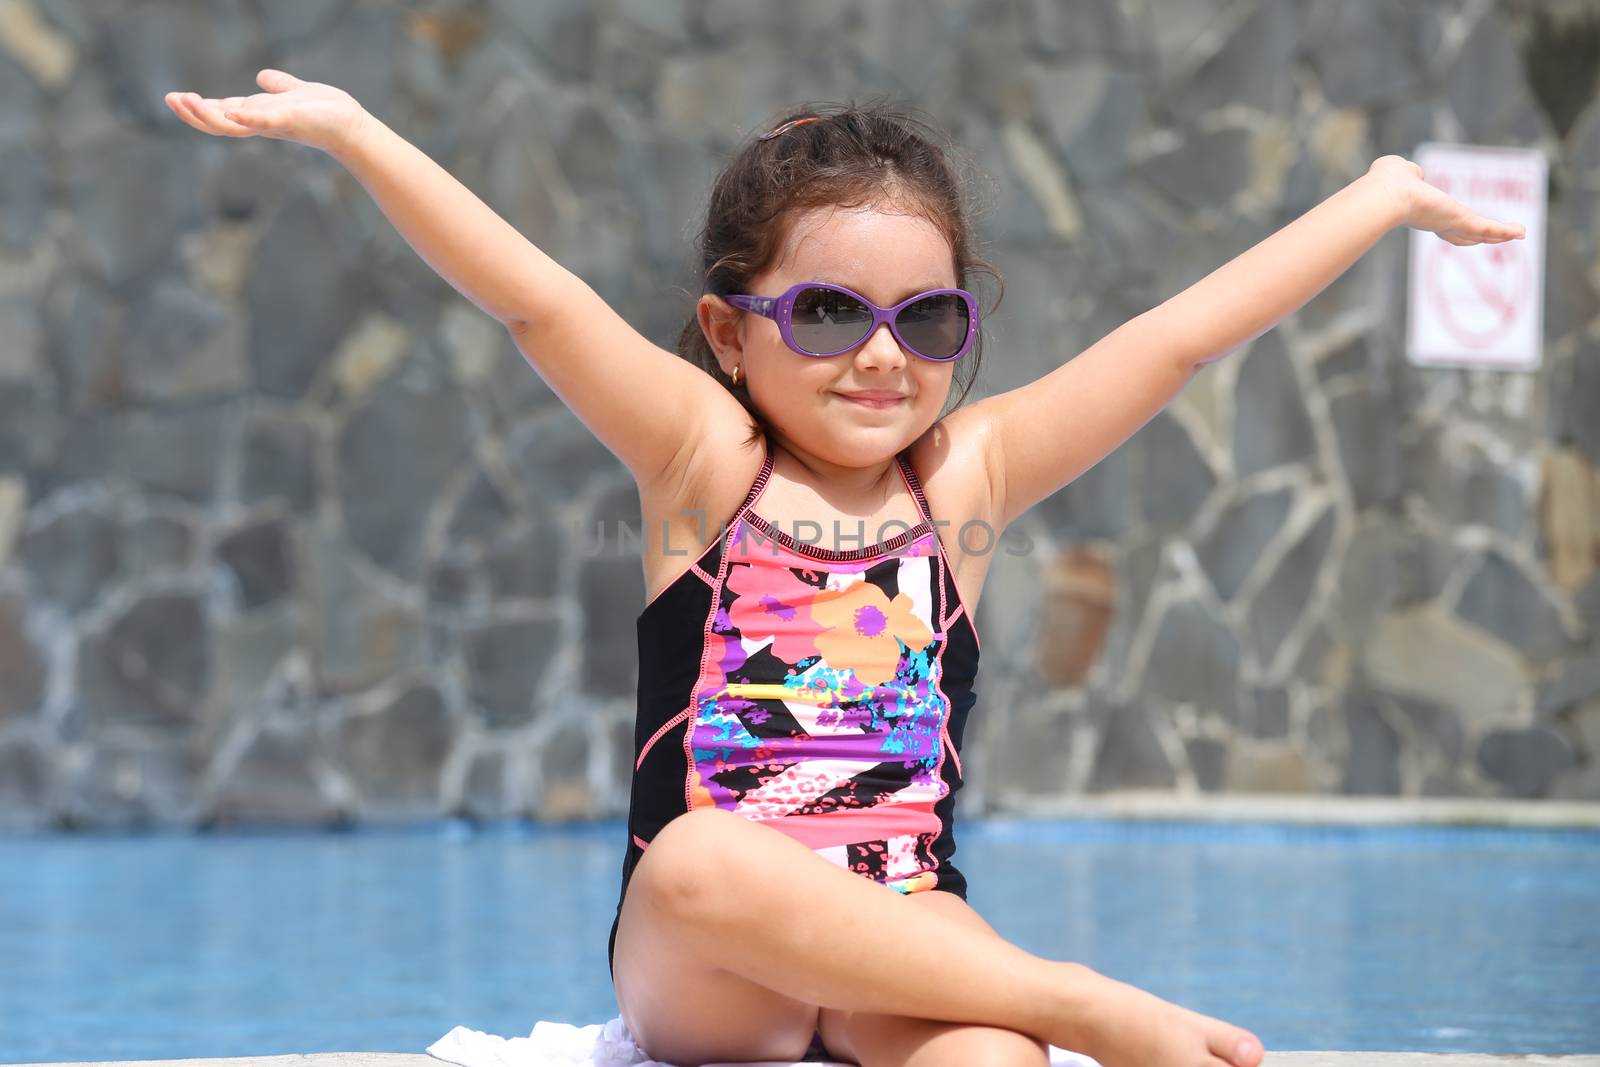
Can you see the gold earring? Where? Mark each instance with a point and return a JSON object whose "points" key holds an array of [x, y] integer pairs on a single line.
{"points": [[735, 375]]}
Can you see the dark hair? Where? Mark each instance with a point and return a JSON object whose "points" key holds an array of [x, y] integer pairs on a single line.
{"points": [[852, 156]]}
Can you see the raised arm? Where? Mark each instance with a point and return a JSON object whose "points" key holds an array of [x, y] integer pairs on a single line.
{"points": [[1046, 433], [628, 391]]}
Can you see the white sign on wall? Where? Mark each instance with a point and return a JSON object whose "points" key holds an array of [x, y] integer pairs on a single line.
{"points": [[1480, 305]]}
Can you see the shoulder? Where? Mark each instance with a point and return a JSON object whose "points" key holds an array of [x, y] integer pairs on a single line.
{"points": [[953, 461]]}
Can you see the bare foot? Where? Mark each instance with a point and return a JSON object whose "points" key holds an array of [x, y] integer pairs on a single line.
{"points": [[1123, 1026]]}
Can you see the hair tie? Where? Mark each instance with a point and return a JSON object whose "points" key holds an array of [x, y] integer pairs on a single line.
{"points": [[787, 126]]}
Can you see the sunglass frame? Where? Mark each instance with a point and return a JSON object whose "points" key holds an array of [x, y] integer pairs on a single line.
{"points": [[781, 310]]}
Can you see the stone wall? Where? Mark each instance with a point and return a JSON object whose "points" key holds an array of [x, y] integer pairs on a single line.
{"points": [[289, 531]]}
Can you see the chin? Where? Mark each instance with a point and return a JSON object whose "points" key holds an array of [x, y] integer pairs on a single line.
{"points": [[858, 447]]}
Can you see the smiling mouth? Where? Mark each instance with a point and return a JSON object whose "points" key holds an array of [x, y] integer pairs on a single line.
{"points": [[884, 402]]}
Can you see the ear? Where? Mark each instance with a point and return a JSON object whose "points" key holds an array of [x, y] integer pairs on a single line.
{"points": [[720, 322]]}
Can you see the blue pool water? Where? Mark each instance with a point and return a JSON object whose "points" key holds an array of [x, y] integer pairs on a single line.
{"points": [[250, 944]]}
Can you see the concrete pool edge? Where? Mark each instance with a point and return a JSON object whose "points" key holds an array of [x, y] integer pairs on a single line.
{"points": [[1300, 808], [1273, 1059]]}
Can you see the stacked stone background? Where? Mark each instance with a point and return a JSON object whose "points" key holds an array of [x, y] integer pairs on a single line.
{"points": [[290, 532]]}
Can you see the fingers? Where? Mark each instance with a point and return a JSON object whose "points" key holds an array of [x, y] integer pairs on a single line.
{"points": [[253, 121], [1476, 229], [233, 116], [206, 115], [179, 103], [276, 81], [1502, 231], [1463, 238], [1487, 229]]}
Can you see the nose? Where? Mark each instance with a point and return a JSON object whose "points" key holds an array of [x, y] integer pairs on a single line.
{"points": [[881, 349]]}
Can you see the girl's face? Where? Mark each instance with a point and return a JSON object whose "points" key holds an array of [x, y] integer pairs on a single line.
{"points": [[885, 256]]}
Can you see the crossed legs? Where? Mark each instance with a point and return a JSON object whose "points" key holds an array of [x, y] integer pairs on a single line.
{"points": [[736, 942], [734, 936]]}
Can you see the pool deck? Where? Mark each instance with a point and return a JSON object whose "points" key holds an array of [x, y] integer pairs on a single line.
{"points": [[1273, 1059], [1509, 812]]}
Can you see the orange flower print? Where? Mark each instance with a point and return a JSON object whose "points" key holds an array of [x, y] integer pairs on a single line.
{"points": [[772, 602], [863, 628]]}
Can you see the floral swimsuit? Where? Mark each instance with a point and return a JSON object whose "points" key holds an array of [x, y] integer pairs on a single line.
{"points": [[816, 691]]}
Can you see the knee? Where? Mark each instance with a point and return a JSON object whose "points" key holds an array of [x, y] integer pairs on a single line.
{"points": [[961, 1045], [687, 861], [879, 1038]]}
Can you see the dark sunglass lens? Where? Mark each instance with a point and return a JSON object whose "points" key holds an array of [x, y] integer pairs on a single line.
{"points": [[826, 320], [936, 326]]}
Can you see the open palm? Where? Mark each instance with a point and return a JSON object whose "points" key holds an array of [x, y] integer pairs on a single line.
{"points": [[1427, 207], [310, 113]]}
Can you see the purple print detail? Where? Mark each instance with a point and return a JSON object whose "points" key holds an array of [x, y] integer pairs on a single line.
{"points": [[856, 716], [773, 606], [733, 657], [722, 624], [870, 621]]}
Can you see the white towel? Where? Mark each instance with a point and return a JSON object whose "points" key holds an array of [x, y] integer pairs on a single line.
{"points": [[555, 1044]]}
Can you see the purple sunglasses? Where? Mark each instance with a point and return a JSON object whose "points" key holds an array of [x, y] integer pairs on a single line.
{"points": [[819, 319]]}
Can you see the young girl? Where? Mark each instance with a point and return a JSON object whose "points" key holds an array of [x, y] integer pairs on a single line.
{"points": [[790, 823]]}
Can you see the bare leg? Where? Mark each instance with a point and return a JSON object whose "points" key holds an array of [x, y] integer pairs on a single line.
{"points": [[768, 909]]}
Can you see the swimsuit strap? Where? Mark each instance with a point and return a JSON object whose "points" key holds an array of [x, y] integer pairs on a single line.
{"points": [[915, 485], [760, 484]]}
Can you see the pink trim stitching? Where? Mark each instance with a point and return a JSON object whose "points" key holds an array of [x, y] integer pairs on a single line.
{"points": [[705, 628], [961, 610], [694, 565], [832, 555], [648, 745], [944, 723], [914, 482], [944, 728]]}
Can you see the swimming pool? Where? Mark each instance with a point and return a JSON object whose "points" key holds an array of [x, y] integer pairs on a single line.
{"points": [[169, 945]]}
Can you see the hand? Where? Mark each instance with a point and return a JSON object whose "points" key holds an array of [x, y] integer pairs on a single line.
{"points": [[310, 113], [1426, 207]]}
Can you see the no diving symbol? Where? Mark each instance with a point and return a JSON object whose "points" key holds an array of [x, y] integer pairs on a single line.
{"points": [[1476, 291]]}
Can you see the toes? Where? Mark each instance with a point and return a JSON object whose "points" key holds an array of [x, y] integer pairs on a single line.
{"points": [[1238, 1047]]}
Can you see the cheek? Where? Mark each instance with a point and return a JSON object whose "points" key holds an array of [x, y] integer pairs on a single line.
{"points": [[934, 384], [784, 382], [785, 372]]}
